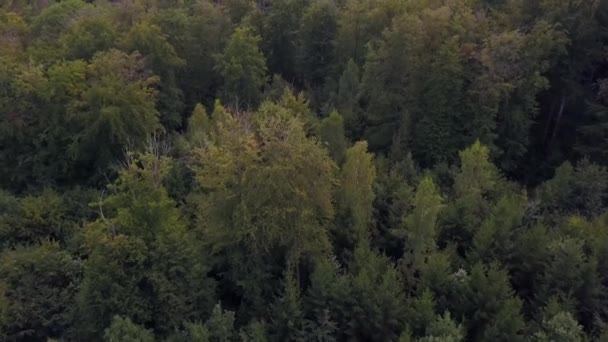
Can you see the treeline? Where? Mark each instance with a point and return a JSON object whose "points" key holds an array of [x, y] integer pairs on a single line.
{"points": [[292, 170]]}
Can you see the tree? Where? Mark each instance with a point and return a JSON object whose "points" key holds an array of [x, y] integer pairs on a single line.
{"points": [[361, 22], [277, 185], [220, 325], [414, 81], [122, 329], [581, 189], [331, 133], [315, 51], [419, 229], [243, 68], [444, 329], [286, 312], [561, 327], [374, 309], [116, 109], [493, 311], [37, 218], [89, 35], [12, 34], [497, 236], [161, 58], [364, 303], [38, 285], [280, 27], [355, 198], [48, 26], [477, 184], [255, 331], [143, 253], [347, 101], [515, 79], [199, 126]]}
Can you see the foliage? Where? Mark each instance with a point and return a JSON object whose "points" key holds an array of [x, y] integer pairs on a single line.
{"points": [[327, 170]]}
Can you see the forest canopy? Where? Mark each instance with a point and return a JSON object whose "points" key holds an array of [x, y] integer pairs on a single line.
{"points": [[304, 170]]}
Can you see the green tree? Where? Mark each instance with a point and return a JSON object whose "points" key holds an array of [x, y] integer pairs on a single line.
{"points": [[199, 126], [280, 27], [360, 22], [243, 68], [494, 312], [47, 27], [497, 236], [355, 197], [366, 302], [444, 329], [38, 285], [255, 331], [161, 58], [89, 35], [347, 101], [114, 110], [561, 327], [475, 186], [374, 309], [124, 330], [287, 315], [394, 196], [42, 217], [419, 229], [331, 133], [580, 189], [220, 325], [315, 52], [277, 185], [142, 251]]}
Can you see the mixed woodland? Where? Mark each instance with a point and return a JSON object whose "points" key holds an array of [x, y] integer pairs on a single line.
{"points": [[304, 170]]}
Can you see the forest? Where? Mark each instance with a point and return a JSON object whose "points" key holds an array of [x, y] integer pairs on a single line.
{"points": [[304, 170]]}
